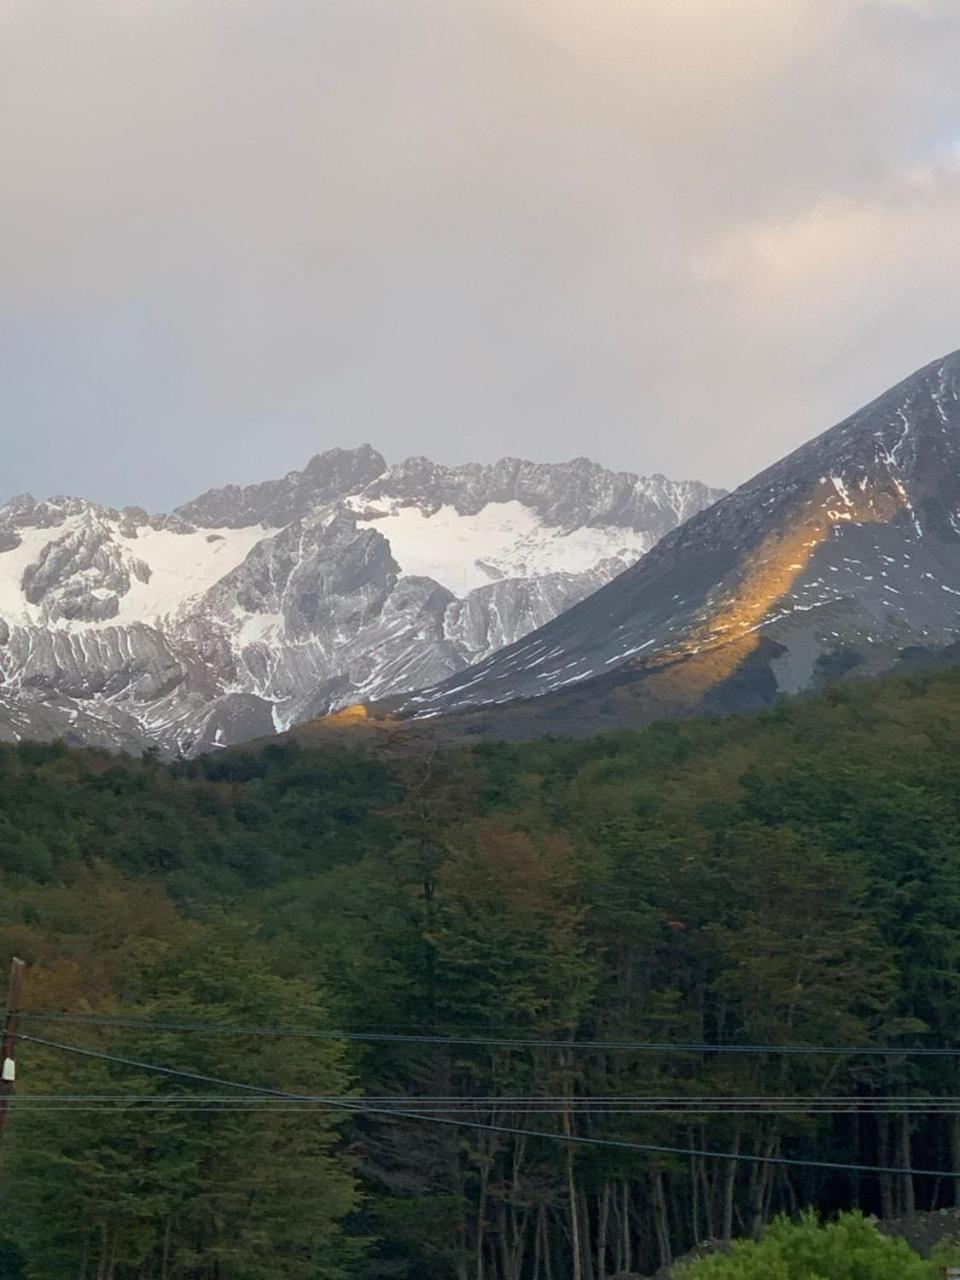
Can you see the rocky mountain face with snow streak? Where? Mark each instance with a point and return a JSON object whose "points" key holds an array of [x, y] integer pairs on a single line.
{"points": [[843, 557], [251, 609]]}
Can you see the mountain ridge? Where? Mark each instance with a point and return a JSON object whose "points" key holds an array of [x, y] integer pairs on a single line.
{"points": [[251, 608]]}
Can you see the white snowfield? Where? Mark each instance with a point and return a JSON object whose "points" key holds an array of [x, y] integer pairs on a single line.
{"points": [[183, 567], [461, 552], [504, 540]]}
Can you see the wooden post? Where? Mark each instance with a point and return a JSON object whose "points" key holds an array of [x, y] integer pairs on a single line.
{"points": [[8, 1044]]}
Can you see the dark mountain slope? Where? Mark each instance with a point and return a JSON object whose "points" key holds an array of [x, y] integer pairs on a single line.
{"points": [[840, 556]]}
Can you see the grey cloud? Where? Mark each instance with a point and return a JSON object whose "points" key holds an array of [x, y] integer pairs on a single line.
{"points": [[676, 237]]}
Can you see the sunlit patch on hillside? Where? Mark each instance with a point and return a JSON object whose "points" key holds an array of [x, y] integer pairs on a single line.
{"points": [[729, 629], [356, 713]]}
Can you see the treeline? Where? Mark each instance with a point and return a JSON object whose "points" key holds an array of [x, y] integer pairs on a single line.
{"points": [[790, 879]]}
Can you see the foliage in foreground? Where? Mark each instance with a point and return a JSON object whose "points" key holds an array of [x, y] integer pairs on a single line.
{"points": [[849, 1249]]}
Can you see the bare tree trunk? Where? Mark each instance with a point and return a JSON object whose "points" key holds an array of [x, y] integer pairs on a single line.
{"points": [[520, 1249], [502, 1241], [708, 1196], [518, 1222], [761, 1184], [603, 1218], [729, 1189], [792, 1199], [460, 1265], [618, 1266], [906, 1162], [547, 1255], [627, 1242], [886, 1179], [771, 1184], [855, 1187], [577, 1269], [640, 1216], [537, 1255], [678, 1214], [575, 1247], [660, 1220], [481, 1213], [586, 1245]]}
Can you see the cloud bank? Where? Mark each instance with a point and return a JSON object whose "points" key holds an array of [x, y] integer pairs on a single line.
{"points": [[681, 237]]}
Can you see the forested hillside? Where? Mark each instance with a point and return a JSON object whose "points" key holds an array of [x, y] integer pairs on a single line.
{"points": [[786, 880]]}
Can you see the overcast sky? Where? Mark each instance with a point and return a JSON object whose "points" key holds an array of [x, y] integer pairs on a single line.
{"points": [[673, 235]]}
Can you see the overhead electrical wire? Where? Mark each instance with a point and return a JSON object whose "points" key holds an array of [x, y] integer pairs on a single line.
{"points": [[518, 1042], [528, 1099], [542, 1105], [433, 1112], [360, 1108]]}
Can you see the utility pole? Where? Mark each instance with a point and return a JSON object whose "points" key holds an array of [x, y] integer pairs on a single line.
{"points": [[8, 1045]]}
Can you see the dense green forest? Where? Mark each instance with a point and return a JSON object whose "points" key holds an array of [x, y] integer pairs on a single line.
{"points": [[788, 879]]}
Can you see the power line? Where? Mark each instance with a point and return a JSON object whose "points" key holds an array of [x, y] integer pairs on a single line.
{"points": [[433, 1112], [528, 1106], [511, 1130], [566, 1100], [516, 1042], [556, 1105]]}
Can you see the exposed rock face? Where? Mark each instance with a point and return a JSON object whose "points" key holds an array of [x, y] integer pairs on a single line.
{"points": [[326, 478], [82, 575], [844, 555], [250, 609]]}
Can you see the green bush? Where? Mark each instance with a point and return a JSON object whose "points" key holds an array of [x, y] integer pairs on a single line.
{"points": [[849, 1249]]}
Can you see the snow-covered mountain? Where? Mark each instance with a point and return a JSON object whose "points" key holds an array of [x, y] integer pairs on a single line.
{"points": [[845, 556], [251, 609]]}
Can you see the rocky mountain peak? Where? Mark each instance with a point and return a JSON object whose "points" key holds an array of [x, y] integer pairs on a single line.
{"points": [[253, 607], [339, 471], [327, 477]]}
